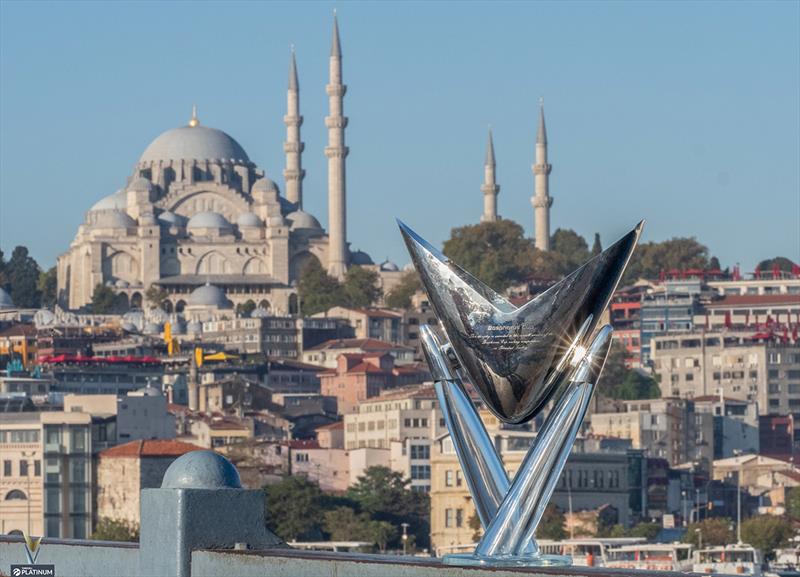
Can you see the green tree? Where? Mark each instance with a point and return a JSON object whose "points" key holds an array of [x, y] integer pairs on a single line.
{"points": [[104, 300], [597, 247], [647, 530], [400, 296], [386, 496], [23, 279], [382, 533], [614, 371], [496, 252], [714, 264], [3, 271], [793, 503], [714, 531], [474, 523], [636, 386], [48, 287], [552, 524], [114, 530], [650, 258], [246, 308], [157, 296], [318, 291], [783, 263], [571, 248], [767, 533], [294, 508], [361, 287], [345, 524]]}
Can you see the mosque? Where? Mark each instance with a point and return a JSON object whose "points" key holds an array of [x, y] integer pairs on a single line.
{"points": [[199, 217]]}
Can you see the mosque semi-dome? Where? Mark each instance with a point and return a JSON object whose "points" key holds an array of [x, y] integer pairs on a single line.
{"points": [[194, 142], [116, 201], [113, 219], [300, 219], [248, 219], [264, 184], [208, 220], [169, 218], [389, 266], [360, 258], [209, 295]]}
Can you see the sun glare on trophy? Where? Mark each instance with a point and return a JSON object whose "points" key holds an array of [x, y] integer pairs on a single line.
{"points": [[578, 355]]}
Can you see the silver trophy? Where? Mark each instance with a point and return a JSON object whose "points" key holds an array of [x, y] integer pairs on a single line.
{"points": [[519, 359]]}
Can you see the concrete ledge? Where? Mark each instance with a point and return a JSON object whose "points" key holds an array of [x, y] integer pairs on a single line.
{"points": [[294, 563], [74, 558]]}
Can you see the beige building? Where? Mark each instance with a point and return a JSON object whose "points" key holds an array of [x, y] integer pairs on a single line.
{"points": [[327, 353], [21, 485], [731, 363], [400, 426], [196, 209], [664, 428], [123, 471], [382, 324], [216, 431], [276, 337]]}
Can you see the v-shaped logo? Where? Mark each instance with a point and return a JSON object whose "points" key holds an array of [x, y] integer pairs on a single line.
{"points": [[32, 548]]}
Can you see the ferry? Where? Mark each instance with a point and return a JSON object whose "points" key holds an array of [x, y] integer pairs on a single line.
{"points": [[739, 559], [588, 552], [651, 557]]}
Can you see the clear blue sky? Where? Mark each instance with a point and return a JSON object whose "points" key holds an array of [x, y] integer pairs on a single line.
{"points": [[684, 113]]}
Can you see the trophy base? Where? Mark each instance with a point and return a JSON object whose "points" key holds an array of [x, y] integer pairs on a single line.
{"points": [[471, 559]]}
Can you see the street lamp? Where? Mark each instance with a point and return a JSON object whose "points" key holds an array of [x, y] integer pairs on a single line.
{"points": [[738, 453], [405, 537]]}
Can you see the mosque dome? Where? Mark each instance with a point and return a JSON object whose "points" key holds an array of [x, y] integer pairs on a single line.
{"points": [[208, 220], [194, 142], [300, 219], [389, 266], [209, 295], [148, 391], [116, 201], [248, 219], [113, 219], [5, 300], [360, 258], [169, 218], [264, 185]]}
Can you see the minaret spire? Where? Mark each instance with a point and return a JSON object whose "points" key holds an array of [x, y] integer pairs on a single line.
{"points": [[541, 200], [336, 152], [194, 121], [490, 187], [293, 174]]}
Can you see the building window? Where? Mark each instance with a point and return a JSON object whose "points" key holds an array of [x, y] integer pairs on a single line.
{"points": [[448, 517], [459, 479], [16, 495], [448, 478], [23, 468], [7, 468], [459, 517], [37, 468], [420, 452]]}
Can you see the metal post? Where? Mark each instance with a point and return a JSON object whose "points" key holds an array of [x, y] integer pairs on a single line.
{"points": [[739, 505], [405, 537]]}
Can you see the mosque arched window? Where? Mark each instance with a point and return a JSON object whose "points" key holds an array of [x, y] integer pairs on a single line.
{"points": [[16, 494]]}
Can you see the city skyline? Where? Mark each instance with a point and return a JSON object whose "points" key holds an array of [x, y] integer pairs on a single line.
{"points": [[711, 134]]}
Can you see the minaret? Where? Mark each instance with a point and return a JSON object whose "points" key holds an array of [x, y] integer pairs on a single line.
{"points": [[541, 200], [336, 152], [490, 187], [293, 174]]}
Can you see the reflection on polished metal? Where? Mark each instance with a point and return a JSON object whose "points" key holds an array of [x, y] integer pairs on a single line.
{"points": [[518, 360]]}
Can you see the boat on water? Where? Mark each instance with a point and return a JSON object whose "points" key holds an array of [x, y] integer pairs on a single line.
{"points": [[651, 557], [739, 559], [588, 552]]}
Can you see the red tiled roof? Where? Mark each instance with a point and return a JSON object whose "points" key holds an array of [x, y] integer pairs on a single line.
{"points": [[151, 448], [365, 344], [303, 444], [755, 300]]}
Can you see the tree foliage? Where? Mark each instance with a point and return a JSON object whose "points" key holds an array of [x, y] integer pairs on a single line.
{"points": [[48, 287], [496, 252], [361, 287], [400, 296], [246, 308], [767, 533], [345, 524], [783, 263], [22, 273], [597, 247], [651, 258], [714, 531], [619, 382], [387, 496], [294, 508], [104, 300], [317, 290], [552, 525], [157, 296], [793, 502], [571, 249], [647, 530], [115, 530]]}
